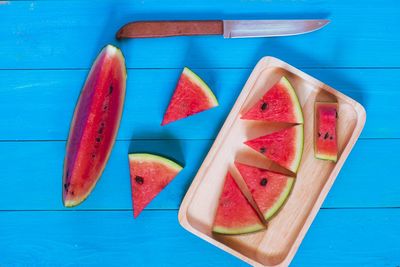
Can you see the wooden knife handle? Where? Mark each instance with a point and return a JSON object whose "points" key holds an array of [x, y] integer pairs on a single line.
{"points": [[151, 29]]}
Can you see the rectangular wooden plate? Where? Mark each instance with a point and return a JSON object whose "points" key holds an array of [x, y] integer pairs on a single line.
{"points": [[277, 245]]}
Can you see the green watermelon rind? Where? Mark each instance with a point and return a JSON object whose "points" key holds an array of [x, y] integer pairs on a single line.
{"points": [[155, 158], [280, 201], [299, 148], [111, 51], [326, 157], [295, 100], [240, 230], [204, 87]]}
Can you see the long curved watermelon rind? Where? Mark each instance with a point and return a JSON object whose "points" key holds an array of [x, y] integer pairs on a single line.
{"points": [[295, 100], [155, 158], [299, 152], [206, 89], [281, 200], [112, 51], [237, 231]]}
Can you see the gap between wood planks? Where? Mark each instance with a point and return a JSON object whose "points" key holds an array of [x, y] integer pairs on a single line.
{"points": [[174, 209], [210, 68]]}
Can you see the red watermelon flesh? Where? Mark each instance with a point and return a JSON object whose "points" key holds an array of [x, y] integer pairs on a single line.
{"points": [[94, 125], [192, 95], [235, 215], [269, 189], [284, 147], [279, 104], [149, 175], [325, 126]]}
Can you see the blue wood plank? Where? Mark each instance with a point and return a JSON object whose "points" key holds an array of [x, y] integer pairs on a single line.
{"points": [[68, 34], [336, 238], [40, 103], [31, 175]]}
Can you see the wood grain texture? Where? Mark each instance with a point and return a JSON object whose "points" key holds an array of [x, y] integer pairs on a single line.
{"points": [[357, 53], [31, 175], [42, 102], [68, 34], [337, 238], [278, 244]]}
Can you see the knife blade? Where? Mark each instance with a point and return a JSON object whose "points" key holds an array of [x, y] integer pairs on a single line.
{"points": [[227, 28]]}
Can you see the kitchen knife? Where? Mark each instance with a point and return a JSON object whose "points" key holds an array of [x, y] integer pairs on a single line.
{"points": [[227, 28]]}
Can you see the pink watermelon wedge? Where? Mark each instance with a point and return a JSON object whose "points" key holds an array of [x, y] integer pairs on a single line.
{"points": [[269, 189], [279, 104], [149, 175], [325, 131], [192, 95], [94, 125], [235, 215], [285, 147]]}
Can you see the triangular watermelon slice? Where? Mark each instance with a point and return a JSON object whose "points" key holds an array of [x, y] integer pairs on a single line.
{"points": [[192, 95], [279, 104], [235, 215], [269, 189], [285, 147], [149, 175]]}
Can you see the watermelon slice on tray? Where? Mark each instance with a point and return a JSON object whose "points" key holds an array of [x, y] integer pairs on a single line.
{"points": [[192, 95], [94, 125], [149, 175], [235, 215], [279, 104], [269, 189], [284, 147], [325, 131]]}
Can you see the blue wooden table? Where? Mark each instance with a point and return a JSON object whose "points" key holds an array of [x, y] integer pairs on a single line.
{"points": [[46, 49]]}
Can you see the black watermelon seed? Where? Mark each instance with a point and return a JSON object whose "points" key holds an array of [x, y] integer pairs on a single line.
{"points": [[102, 124], [326, 135], [319, 134], [110, 90], [262, 150], [98, 139], [66, 186], [264, 106], [93, 155], [100, 131], [331, 137], [263, 182], [67, 174], [72, 193], [139, 180]]}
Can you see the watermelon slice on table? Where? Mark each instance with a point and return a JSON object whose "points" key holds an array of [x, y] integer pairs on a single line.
{"points": [[326, 115], [279, 104], [235, 215], [269, 189], [149, 175], [192, 95], [94, 125], [284, 147]]}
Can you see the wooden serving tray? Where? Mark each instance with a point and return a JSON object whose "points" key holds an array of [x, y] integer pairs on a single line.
{"points": [[277, 245]]}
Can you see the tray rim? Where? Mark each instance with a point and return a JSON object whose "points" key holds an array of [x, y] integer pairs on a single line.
{"points": [[269, 61]]}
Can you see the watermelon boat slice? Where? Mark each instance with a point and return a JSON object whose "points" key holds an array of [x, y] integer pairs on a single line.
{"points": [[235, 215], [279, 104], [192, 95], [325, 131], [94, 125], [284, 147], [149, 175], [269, 189]]}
